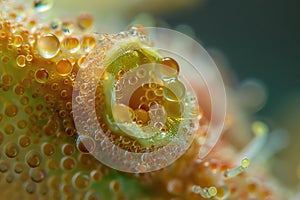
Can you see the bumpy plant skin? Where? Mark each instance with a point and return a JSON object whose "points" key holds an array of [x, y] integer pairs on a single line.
{"points": [[41, 157]]}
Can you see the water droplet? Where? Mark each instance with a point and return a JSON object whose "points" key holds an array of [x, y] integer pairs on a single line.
{"points": [[11, 110], [29, 57], [70, 131], [10, 46], [96, 175], [4, 166], [80, 181], [123, 113], [51, 127], [170, 62], [115, 185], [259, 128], [9, 178], [24, 141], [30, 187], [88, 43], [67, 27], [159, 91], [7, 79], [48, 45], [72, 44], [69, 106], [68, 163], [9, 129], [245, 163], [81, 60], [33, 158], [42, 5], [31, 39], [68, 149], [11, 150], [174, 91], [21, 61], [84, 88], [150, 94], [62, 113], [133, 80], [64, 94], [21, 124], [37, 175], [48, 149], [24, 100], [223, 192], [64, 67], [41, 75], [158, 125], [19, 167], [85, 21], [18, 40], [92, 195], [85, 144], [141, 168], [72, 60], [54, 86], [141, 72], [142, 115], [5, 59], [19, 90], [157, 113], [55, 24]]}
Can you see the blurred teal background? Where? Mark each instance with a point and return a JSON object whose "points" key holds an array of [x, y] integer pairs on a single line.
{"points": [[260, 38]]}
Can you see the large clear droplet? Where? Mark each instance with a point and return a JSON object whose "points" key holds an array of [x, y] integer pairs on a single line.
{"points": [[48, 45]]}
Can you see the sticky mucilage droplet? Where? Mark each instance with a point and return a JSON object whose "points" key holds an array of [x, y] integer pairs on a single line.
{"points": [[41, 75]]}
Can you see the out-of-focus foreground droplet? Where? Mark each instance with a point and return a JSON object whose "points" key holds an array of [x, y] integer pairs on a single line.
{"points": [[42, 5]]}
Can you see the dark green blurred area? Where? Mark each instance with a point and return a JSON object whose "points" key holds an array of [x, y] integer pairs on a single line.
{"points": [[260, 38]]}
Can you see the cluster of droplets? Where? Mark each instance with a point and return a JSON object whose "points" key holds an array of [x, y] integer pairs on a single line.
{"points": [[214, 178], [66, 49], [38, 65], [143, 98], [135, 104]]}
